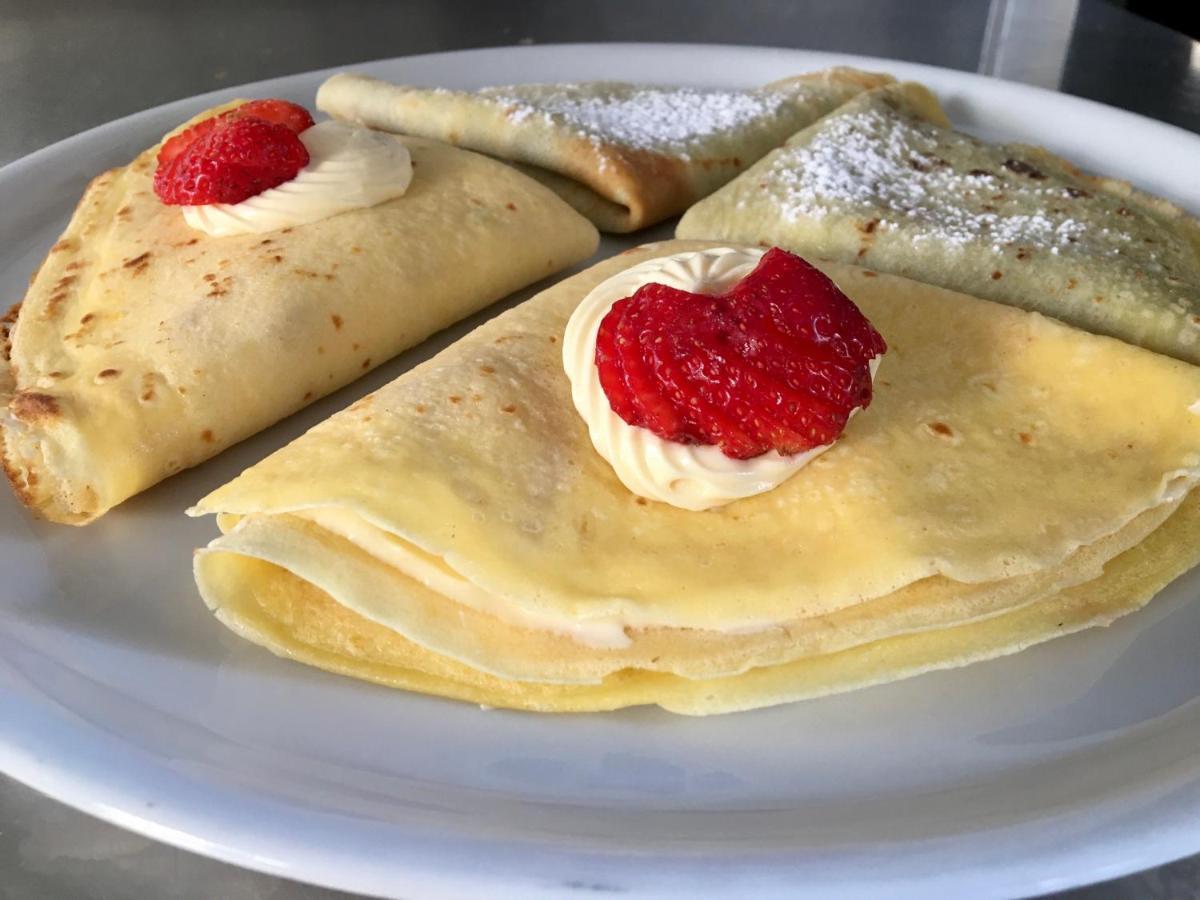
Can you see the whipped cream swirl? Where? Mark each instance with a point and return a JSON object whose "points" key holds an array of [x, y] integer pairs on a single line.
{"points": [[349, 167], [689, 476]]}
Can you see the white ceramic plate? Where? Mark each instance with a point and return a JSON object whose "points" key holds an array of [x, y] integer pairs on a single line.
{"points": [[1072, 762]]}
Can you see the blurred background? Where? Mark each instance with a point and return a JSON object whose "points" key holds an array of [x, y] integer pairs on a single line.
{"points": [[67, 65]]}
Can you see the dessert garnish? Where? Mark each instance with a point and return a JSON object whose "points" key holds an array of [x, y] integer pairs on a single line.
{"points": [[233, 156], [777, 362]]}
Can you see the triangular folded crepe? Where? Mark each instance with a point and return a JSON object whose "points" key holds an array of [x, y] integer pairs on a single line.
{"points": [[884, 182], [456, 533], [624, 155], [144, 347]]}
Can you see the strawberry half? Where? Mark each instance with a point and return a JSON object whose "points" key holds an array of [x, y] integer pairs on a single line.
{"points": [[234, 160], [280, 112], [183, 183], [777, 362]]}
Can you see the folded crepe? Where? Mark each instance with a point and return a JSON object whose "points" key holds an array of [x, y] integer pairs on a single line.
{"points": [[624, 155], [884, 182], [144, 347], [456, 533]]}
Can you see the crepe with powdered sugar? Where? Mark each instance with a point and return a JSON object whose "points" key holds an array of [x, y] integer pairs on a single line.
{"points": [[885, 182], [626, 156]]}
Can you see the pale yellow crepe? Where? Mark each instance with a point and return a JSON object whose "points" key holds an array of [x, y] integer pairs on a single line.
{"points": [[451, 530], [271, 607], [884, 182], [367, 588], [144, 347], [624, 155]]}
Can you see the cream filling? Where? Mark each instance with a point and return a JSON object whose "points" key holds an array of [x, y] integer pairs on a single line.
{"points": [[689, 476], [349, 168]]}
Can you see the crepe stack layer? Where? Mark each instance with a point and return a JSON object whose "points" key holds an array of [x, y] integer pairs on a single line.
{"points": [[624, 155], [144, 347], [884, 182], [455, 533]]}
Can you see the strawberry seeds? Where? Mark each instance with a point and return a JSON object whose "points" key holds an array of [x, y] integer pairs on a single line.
{"points": [[234, 156], [777, 362]]}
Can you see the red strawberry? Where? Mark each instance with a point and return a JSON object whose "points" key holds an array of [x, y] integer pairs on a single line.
{"points": [[779, 361], [232, 160], [281, 112], [173, 146]]}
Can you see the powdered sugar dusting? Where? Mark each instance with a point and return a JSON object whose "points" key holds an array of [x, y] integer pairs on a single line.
{"points": [[650, 118], [939, 185]]}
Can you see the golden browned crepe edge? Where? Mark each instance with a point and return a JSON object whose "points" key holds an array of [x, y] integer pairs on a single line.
{"points": [[29, 478]]}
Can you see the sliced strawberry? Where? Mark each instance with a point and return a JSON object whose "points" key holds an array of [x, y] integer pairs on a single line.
{"points": [[703, 385], [778, 417], [610, 368], [279, 112], [652, 409], [701, 401], [802, 302], [175, 145], [804, 366], [779, 361], [236, 159]]}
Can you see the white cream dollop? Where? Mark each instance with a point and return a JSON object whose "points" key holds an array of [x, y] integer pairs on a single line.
{"points": [[349, 167], [689, 476]]}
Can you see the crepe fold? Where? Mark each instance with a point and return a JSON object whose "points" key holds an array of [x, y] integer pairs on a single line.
{"points": [[884, 182], [455, 532], [144, 347], [626, 156]]}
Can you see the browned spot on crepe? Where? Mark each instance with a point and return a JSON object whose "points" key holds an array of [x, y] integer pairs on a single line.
{"points": [[138, 263], [33, 406]]}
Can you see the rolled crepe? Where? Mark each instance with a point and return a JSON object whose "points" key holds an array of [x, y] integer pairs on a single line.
{"points": [[884, 182], [144, 347], [626, 156], [456, 533]]}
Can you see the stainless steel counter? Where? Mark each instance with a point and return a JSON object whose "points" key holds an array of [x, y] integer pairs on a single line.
{"points": [[68, 65]]}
